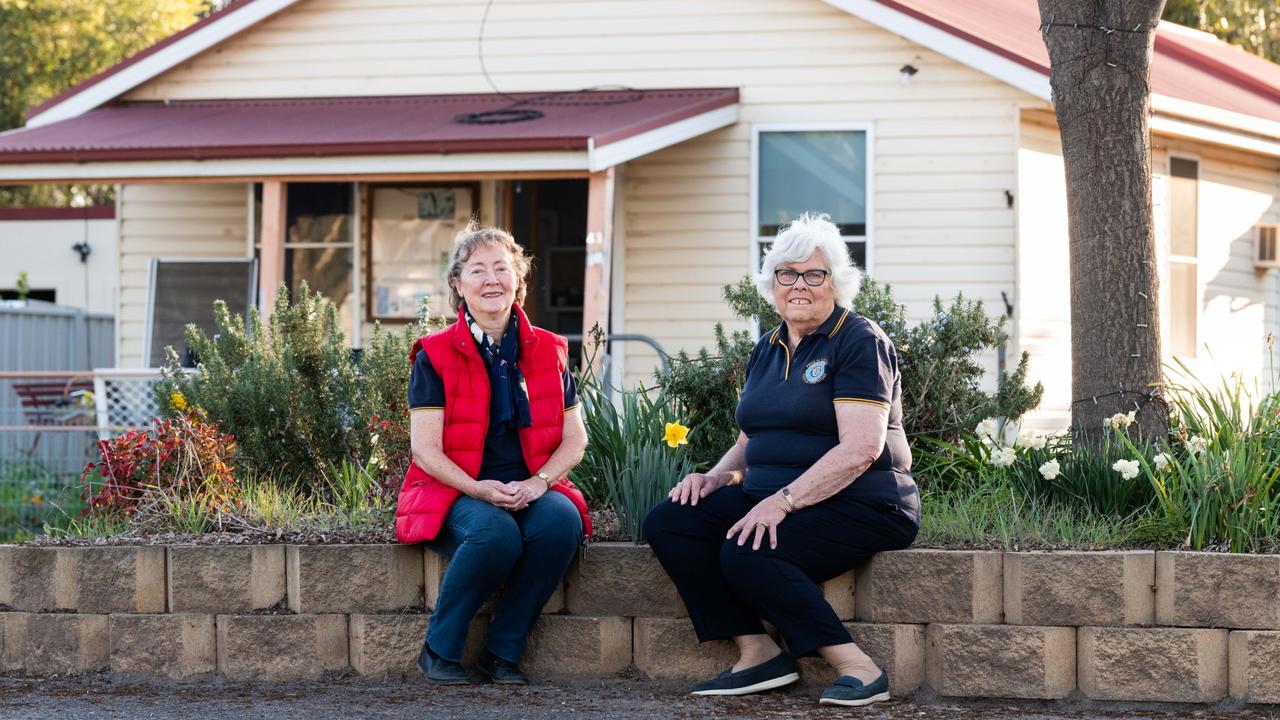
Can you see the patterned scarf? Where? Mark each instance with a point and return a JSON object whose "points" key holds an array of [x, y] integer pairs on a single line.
{"points": [[508, 395]]}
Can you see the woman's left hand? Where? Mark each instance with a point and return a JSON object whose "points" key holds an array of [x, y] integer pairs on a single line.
{"points": [[531, 490], [765, 516]]}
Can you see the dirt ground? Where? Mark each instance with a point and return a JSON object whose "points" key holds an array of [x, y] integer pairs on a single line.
{"points": [[98, 697]]}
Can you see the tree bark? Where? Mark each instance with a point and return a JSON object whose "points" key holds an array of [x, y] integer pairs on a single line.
{"points": [[1100, 58]]}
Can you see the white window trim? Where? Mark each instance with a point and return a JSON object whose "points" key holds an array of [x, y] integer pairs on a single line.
{"points": [[867, 127], [1167, 270]]}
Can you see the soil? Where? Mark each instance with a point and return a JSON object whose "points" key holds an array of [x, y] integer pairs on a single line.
{"points": [[97, 696]]}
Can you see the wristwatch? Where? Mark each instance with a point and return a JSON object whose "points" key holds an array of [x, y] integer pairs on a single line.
{"points": [[545, 478]]}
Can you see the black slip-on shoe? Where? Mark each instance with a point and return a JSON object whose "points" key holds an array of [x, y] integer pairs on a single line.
{"points": [[766, 676], [440, 671], [850, 691], [501, 672]]}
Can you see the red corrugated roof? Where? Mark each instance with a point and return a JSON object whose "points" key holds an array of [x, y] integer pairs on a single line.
{"points": [[1188, 65], [354, 126]]}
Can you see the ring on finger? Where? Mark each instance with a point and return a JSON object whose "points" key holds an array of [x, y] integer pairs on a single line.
{"points": [[762, 525]]}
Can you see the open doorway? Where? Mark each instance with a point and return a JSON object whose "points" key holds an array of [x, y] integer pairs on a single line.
{"points": [[549, 218]]}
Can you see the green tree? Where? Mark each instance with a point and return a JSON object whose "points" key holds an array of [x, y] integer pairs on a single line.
{"points": [[1252, 24], [47, 46]]}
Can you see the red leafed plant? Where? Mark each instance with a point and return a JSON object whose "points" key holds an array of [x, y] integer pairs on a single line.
{"points": [[179, 466], [391, 452]]}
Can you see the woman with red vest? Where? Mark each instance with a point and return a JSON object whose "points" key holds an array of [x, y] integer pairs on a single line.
{"points": [[494, 429]]}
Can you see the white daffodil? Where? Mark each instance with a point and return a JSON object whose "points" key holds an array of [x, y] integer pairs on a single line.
{"points": [[1050, 470], [1161, 461], [1032, 440], [987, 428], [1196, 444], [1128, 469], [1120, 421], [1004, 457]]}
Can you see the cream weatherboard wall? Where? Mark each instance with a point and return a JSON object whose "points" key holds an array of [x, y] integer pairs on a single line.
{"points": [[944, 144], [170, 221], [1238, 304]]}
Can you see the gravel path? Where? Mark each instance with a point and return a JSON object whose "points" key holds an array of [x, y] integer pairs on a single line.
{"points": [[97, 697]]}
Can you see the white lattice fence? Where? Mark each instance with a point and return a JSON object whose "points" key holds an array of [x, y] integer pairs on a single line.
{"points": [[125, 399]]}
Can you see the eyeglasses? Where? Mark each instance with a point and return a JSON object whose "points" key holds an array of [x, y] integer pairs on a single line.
{"points": [[812, 278]]}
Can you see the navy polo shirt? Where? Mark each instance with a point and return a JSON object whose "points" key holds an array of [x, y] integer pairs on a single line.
{"points": [[787, 408], [503, 459]]}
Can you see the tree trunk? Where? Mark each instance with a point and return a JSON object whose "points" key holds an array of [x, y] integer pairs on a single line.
{"points": [[1100, 57]]}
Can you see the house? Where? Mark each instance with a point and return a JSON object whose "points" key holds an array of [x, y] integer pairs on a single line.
{"points": [[645, 151]]}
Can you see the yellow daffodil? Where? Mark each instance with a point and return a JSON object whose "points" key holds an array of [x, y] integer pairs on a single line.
{"points": [[676, 434], [178, 401]]}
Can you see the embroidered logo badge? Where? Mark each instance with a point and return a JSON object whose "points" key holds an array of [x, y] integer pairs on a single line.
{"points": [[816, 371]]}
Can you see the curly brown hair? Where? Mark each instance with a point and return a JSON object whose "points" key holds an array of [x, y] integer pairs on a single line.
{"points": [[468, 240]]}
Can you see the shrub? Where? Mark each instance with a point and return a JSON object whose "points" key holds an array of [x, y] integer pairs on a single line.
{"points": [[294, 396], [176, 475], [941, 393]]}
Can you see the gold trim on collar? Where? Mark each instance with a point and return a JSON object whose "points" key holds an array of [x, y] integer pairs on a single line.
{"points": [[839, 323]]}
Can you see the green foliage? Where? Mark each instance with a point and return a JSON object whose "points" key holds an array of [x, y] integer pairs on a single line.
{"points": [[1252, 24], [1087, 477], [33, 495], [941, 393], [1219, 488], [24, 285], [707, 385], [989, 510], [627, 464]]}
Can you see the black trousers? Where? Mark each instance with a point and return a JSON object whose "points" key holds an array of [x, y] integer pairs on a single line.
{"points": [[728, 589]]}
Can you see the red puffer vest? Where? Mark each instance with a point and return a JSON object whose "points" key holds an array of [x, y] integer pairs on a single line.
{"points": [[424, 501]]}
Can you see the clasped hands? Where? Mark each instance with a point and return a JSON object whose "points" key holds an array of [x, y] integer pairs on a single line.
{"points": [[510, 496], [760, 520]]}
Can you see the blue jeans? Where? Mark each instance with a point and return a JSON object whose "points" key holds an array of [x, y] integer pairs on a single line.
{"points": [[530, 549]]}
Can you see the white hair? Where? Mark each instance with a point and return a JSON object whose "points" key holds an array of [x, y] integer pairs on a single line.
{"points": [[797, 242]]}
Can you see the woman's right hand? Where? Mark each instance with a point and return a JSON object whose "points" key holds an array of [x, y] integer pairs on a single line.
{"points": [[499, 494], [696, 486]]}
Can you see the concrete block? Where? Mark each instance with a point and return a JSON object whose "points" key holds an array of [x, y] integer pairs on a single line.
{"points": [[434, 568], [668, 648], [36, 579], [1001, 661], [353, 578], [931, 586], [838, 592], [1254, 663], [281, 647], [1218, 590], [1079, 588], [119, 579], [1153, 664], [172, 646], [566, 645], [621, 579], [46, 644], [899, 649], [225, 578], [387, 645]]}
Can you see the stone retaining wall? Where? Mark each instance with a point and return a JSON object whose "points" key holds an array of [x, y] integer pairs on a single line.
{"points": [[1140, 626]]}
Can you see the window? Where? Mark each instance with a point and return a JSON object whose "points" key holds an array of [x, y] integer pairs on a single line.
{"points": [[1184, 286], [318, 244], [818, 171]]}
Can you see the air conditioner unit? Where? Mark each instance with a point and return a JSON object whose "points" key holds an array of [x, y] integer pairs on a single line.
{"points": [[1266, 254]]}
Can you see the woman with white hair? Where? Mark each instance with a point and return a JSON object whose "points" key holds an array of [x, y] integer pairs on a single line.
{"points": [[818, 481]]}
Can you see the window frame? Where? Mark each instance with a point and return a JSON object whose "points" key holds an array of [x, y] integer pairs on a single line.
{"points": [[1170, 258], [865, 127]]}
